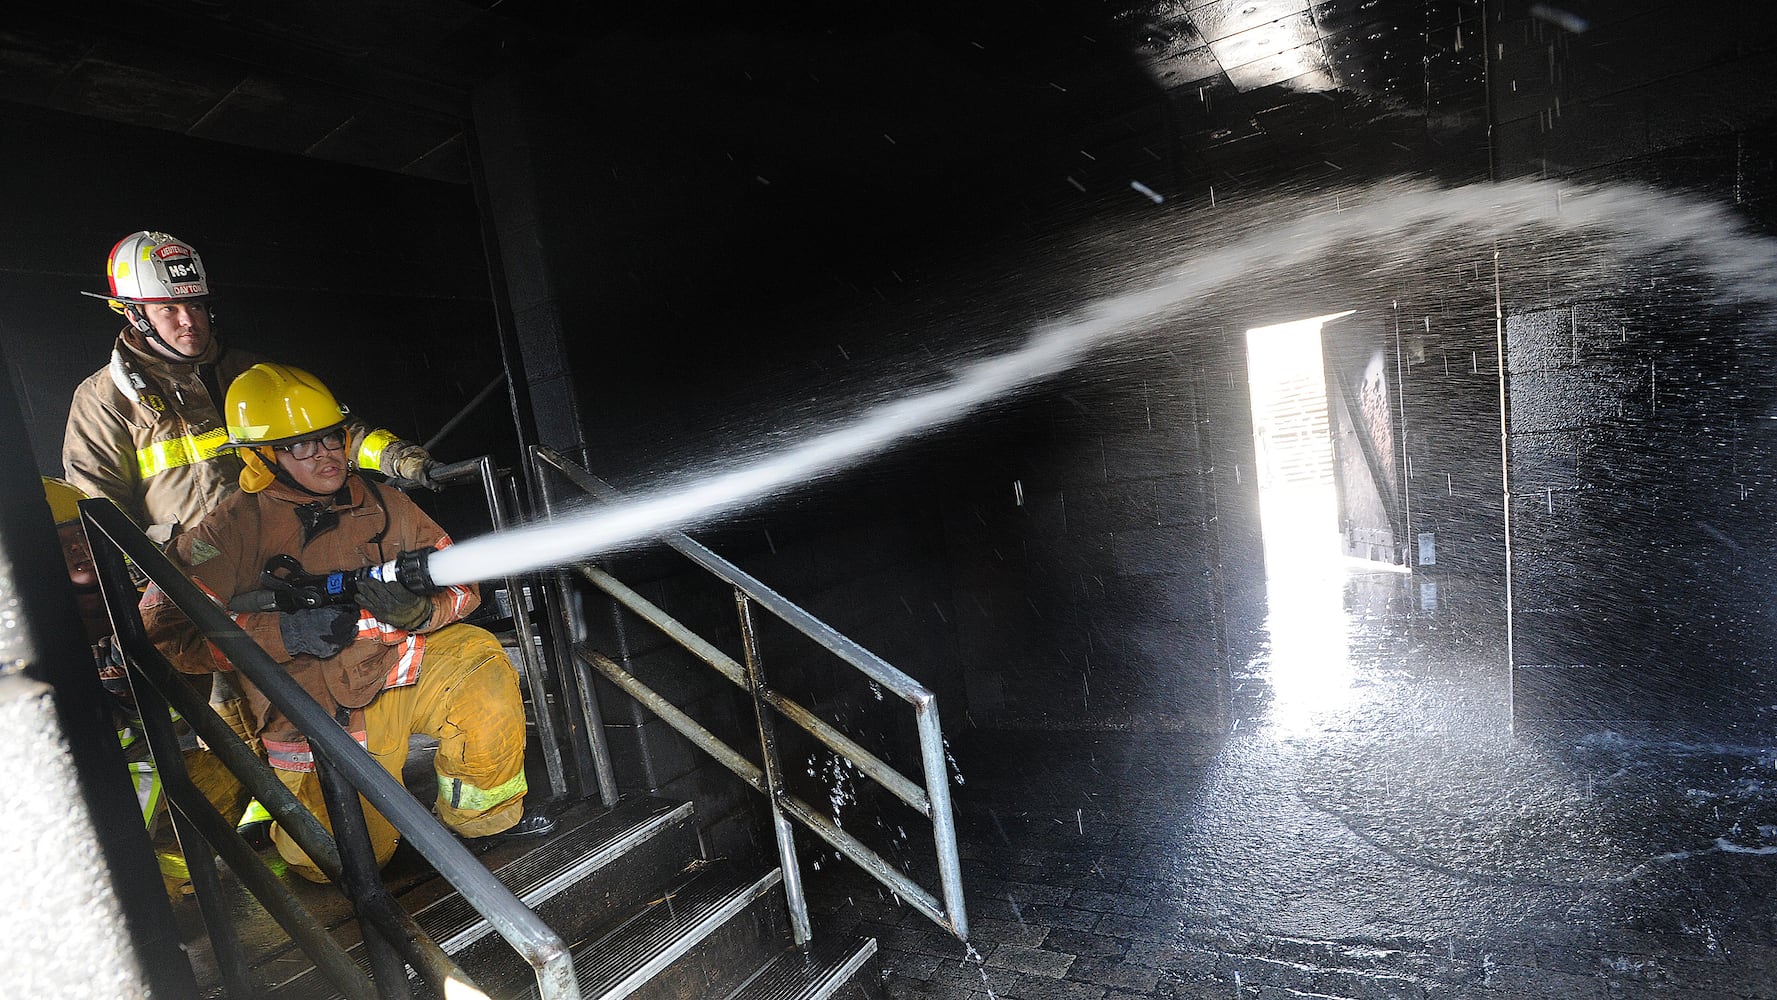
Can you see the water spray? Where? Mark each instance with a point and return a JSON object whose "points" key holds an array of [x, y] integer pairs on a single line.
{"points": [[1418, 217]]}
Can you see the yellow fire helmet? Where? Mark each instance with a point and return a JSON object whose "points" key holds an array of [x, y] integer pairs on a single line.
{"points": [[64, 499], [270, 404]]}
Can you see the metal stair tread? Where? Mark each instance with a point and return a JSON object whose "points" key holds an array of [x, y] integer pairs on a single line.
{"points": [[549, 869], [828, 966], [622, 960], [534, 873]]}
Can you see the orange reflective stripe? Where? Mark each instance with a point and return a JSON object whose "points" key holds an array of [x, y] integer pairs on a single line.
{"points": [[406, 669], [172, 453]]}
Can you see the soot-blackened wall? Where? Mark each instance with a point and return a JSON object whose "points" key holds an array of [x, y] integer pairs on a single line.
{"points": [[1641, 518], [721, 271], [373, 281]]}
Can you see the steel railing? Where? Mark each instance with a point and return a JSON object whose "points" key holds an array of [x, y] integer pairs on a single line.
{"points": [[391, 936], [931, 801], [555, 729]]}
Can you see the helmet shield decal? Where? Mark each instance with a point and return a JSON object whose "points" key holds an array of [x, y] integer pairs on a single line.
{"points": [[147, 267]]}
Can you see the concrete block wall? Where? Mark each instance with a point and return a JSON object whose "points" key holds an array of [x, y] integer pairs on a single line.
{"points": [[1449, 358], [1640, 509], [1084, 566], [1090, 540], [1641, 77], [1640, 517]]}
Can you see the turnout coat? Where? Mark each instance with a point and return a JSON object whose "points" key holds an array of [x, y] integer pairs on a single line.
{"points": [[144, 430], [226, 553]]}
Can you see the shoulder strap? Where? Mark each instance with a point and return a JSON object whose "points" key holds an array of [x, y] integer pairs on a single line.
{"points": [[140, 387]]}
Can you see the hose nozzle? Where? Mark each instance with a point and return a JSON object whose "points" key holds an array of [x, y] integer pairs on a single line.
{"points": [[288, 587], [411, 569]]}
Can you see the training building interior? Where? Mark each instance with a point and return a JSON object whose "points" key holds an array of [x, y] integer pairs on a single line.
{"points": [[1311, 459]]}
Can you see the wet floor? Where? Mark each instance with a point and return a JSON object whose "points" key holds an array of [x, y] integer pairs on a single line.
{"points": [[1370, 827]]}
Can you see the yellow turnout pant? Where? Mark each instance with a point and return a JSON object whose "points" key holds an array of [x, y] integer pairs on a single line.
{"points": [[466, 698]]}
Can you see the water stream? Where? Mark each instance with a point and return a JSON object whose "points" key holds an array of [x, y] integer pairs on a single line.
{"points": [[1412, 219]]}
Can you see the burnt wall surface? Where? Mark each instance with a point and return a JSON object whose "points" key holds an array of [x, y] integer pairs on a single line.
{"points": [[374, 282], [1640, 391], [805, 223]]}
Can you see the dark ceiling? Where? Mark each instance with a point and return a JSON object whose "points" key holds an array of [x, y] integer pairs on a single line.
{"points": [[387, 84]]}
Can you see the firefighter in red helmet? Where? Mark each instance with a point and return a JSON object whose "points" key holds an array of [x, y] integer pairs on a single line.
{"points": [[146, 429]]}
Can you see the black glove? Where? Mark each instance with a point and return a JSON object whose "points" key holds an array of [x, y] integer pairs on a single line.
{"points": [[393, 604], [321, 632]]}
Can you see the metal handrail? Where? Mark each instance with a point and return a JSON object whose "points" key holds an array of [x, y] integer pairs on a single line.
{"points": [[836, 741], [932, 801], [535, 672], [534, 941]]}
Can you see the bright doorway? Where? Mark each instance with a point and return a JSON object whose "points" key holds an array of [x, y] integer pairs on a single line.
{"points": [[1292, 440], [1307, 668]]}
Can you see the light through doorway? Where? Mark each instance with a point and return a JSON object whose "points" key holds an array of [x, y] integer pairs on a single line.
{"points": [[1308, 670], [1293, 446]]}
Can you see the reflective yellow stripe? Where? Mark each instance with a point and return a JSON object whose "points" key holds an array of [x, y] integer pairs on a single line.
{"points": [[148, 790], [188, 450], [462, 795], [255, 813], [173, 865], [370, 452]]}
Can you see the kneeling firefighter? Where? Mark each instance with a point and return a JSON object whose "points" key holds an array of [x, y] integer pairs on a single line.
{"points": [[389, 664]]}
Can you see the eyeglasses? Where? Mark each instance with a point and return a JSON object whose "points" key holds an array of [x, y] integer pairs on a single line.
{"points": [[310, 447]]}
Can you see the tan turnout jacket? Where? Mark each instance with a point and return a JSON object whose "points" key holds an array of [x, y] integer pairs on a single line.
{"points": [[226, 552], [144, 431]]}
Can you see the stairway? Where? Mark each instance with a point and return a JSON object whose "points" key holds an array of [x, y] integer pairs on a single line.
{"points": [[645, 913]]}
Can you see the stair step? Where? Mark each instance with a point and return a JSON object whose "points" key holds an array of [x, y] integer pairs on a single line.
{"points": [[540, 877], [597, 865], [833, 966], [644, 950]]}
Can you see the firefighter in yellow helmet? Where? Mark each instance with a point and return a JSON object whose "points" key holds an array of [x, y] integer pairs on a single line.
{"points": [[207, 772], [390, 664]]}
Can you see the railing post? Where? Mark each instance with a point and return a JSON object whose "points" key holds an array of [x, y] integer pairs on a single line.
{"points": [[774, 775], [535, 679], [541, 947], [165, 689], [950, 873], [200, 857], [163, 747], [932, 801], [566, 629], [361, 878]]}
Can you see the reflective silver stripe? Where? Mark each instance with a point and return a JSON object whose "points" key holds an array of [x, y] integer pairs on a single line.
{"points": [[289, 756]]}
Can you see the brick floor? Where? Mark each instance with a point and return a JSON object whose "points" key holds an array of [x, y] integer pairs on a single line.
{"points": [[1405, 845]]}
